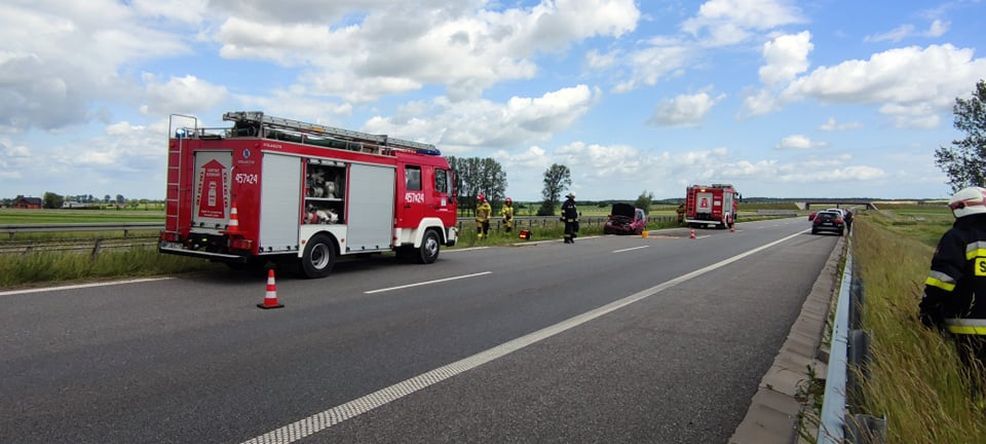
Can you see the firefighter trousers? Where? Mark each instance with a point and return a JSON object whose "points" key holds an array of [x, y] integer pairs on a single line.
{"points": [[571, 231]]}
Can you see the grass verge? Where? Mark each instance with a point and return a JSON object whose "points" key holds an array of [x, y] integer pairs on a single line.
{"points": [[915, 377], [34, 268]]}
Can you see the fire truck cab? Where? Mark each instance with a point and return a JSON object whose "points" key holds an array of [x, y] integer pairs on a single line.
{"points": [[277, 189], [715, 204]]}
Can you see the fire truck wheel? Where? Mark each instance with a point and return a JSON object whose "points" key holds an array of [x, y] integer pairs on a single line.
{"points": [[430, 247], [319, 257]]}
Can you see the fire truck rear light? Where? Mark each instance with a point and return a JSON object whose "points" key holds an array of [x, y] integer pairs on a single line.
{"points": [[241, 244]]}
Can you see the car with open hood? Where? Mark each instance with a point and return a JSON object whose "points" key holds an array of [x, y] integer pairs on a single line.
{"points": [[625, 219]]}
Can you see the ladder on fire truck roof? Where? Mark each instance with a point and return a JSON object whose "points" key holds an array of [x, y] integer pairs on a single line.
{"points": [[379, 142]]}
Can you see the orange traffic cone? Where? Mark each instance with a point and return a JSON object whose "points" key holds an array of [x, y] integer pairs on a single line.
{"points": [[691, 234], [234, 221], [270, 299]]}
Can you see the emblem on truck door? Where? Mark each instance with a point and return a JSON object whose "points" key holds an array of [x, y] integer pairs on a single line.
{"points": [[212, 190]]}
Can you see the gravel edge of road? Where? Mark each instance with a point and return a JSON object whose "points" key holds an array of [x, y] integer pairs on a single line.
{"points": [[774, 409]]}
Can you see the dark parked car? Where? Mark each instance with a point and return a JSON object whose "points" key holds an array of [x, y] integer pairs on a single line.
{"points": [[625, 219], [828, 221]]}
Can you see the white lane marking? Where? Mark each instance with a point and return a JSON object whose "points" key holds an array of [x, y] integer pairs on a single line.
{"points": [[453, 278], [703, 236], [631, 249], [328, 418], [459, 250], [73, 287], [549, 241]]}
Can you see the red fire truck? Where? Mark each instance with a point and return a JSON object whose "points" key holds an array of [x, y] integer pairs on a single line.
{"points": [[715, 204], [277, 189]]}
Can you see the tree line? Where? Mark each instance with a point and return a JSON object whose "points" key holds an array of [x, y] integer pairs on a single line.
{"points": [[486, 176]]}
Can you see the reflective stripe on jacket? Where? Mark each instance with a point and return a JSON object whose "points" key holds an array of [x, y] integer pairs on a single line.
{"points": [[957, 278], [962, 326]]}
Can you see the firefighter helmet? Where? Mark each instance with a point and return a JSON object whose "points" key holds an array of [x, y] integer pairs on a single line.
{"points": [[509, 201], [570, 195], [969, 200], [481, 197]]}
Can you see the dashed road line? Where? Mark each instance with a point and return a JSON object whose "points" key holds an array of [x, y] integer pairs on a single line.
{"points": [[460, 250], [78, 286], [631, 249], [323, 420], [436, 281]]}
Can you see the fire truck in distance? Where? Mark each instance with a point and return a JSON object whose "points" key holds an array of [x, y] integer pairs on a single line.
{"points": [[277, 189], [715, 204]]}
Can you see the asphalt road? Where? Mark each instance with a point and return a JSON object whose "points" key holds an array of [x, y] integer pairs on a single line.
{"points": [[192, 359]]}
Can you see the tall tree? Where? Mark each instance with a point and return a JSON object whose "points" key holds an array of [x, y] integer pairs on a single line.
{"points": [[644, 201], [493, 181], [52, 200], [556, 178], [965, 161], [474, 176]]}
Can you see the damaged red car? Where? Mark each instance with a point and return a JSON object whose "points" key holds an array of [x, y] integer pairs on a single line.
{"points": [[625, 219]]}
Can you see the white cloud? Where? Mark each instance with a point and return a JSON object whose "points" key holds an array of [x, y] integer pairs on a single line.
{"points": [[894, 35], [14, 159], [534, 158], [461, 126], [833, 125], [761, 102], [937, 28], [598, 61], [911, 85], [298, 11], [186, 11], [785, 57], [184, 95], [601, 160], [300, 104], [661, 59], [859, 173], [685, 110], [728, 22], [799, 142], [402, 46], [59, 57]]}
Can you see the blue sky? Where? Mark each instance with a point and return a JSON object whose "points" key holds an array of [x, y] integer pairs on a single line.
{"points": [[783, 99]]}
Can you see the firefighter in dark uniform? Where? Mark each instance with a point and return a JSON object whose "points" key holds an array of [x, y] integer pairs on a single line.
{"points": [[958, 277], [570, 215]]}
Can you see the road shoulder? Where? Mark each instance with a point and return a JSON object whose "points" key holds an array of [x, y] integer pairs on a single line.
{"points": [[774, 409]]}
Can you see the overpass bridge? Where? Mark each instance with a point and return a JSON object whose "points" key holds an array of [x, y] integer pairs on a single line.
{"points": [[836, 203]]}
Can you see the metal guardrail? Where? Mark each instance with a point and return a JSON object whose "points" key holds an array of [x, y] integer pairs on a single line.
{"points": [[126, 227], [847, 367], [92, 246], [831, 429]]}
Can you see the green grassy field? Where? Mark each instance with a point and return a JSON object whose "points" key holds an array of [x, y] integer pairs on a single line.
{"points": [[915, 377], [10, 216]]}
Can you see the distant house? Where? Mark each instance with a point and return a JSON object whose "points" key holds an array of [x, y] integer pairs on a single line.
{"points": [[72, 204], [30, 203]]}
